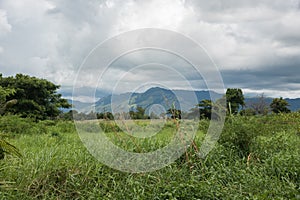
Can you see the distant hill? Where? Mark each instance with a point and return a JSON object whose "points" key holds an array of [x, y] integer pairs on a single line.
{"points": [[294, 104], [182, 99], [165, 98], [78, 105]]}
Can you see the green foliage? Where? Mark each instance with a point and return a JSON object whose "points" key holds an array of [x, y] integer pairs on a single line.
{"points": [[105, 115], [138, 113], [109, 127], [66, 115], [4, 104], [36, 98], [238, 134], [235, 99], [6, 147], [203, 110], [279, 105], [15, 125], [257, 157], [248, 112], [205, 107], [174, 113]]}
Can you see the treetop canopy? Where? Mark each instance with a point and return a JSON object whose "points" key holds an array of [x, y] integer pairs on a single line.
{"points": [[36, 98]]}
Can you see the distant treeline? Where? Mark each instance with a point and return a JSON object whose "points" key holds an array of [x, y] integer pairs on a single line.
{"points": [[235, 105], [37, 98]]}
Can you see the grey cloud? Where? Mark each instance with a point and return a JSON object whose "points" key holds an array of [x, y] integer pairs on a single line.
{"points": [[53, 11], [256, 44], [220, 5], [274, 78]]}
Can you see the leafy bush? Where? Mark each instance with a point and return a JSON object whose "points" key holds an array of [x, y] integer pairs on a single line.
{"points": [[238, 134], [16, 125], [280, 153]]}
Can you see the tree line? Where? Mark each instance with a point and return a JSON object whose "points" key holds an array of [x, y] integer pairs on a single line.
{"points": [[235, 105], [37, 98]]}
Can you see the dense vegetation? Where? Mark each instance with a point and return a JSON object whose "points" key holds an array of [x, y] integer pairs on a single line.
{"points": [[42, 156], [233, 102], [35, 98], [257, 157]]}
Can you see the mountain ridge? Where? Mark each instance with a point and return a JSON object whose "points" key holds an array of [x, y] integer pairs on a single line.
{"points": [[182, 99]]}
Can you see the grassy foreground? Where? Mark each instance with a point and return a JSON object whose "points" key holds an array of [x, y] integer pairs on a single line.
{"points": [[255, 158]]}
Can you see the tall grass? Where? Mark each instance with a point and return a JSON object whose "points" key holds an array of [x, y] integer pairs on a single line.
{"points": [[255, 158]]}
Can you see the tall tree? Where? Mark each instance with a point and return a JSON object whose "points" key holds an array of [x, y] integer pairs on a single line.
{"points": [[279, 105], [235, 99], [4, 104], [205, 107], [36, 98]]}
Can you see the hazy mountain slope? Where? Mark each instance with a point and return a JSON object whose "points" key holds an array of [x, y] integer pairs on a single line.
{"points": [[164, 97]]}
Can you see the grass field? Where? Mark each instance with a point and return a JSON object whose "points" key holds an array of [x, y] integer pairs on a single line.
{"points": [[255, 158]]}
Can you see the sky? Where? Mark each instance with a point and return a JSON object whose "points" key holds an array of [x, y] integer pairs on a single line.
{"points": [[253, 44]]}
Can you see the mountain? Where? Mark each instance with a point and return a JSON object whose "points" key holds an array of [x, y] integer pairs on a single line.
{"points": [[78, 105], [294, 104], [182, 99]]}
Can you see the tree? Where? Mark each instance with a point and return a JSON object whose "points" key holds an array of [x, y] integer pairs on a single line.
{"points": [[67, 115], [260, 106], [202, 110], [175, 114], [4, 104], [138, 113], [205, 107], [235, 99], [36, 98], [279, 105], [105, 115]]}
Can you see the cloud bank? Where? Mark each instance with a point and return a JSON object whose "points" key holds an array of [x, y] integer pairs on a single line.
{"points": [[255, 44]]}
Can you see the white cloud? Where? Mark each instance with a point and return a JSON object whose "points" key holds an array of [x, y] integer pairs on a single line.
{"points": [[167, 14], [5, 27], [286, 93]]}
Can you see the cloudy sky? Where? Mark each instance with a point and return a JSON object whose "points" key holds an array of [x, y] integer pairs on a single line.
{"points": [[255, 44]]}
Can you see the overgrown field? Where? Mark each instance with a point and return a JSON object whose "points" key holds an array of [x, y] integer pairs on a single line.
{"points": [[255, 158]]}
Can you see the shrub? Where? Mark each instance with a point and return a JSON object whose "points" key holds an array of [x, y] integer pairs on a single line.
{"points": [[16, 125], [238, 134]]}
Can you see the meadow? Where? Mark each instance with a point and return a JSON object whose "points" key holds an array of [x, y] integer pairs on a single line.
{"points": [[256, 157]]}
